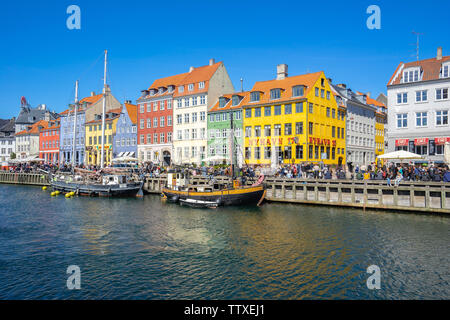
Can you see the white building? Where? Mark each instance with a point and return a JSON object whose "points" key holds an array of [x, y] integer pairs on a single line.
{"points": [[192, 99], [27, 141], [7, 140], [418, 107], [360, 126]]}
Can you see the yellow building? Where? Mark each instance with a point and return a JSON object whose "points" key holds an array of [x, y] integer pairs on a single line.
{"points": [[380, 122], [293, 120], [94, 137]]}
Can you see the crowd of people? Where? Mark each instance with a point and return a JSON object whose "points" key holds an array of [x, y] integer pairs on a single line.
{"points": [[392, 173]]}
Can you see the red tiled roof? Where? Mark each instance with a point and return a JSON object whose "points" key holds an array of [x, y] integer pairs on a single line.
{"points": [[430, 67], [132, 112], [308, 80], [228, 105], [34, 128]]}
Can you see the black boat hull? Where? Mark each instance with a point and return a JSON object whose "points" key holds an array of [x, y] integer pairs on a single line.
{"points": [[244, 196], [128, 190]]}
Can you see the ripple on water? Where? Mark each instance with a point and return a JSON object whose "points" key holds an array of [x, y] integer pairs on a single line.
{"points": [[146, 249]]}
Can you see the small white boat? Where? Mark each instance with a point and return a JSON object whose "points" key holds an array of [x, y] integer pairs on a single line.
{"points": [[198, 203]]}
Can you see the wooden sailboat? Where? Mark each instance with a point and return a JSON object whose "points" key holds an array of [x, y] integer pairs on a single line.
{"points": [[178, 188], [107, 182]]}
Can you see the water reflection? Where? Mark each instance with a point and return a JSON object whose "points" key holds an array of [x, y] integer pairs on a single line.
{"points": [[145, 248]]}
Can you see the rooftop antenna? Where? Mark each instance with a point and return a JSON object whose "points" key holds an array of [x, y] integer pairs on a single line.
{"points": [[417, 43]]}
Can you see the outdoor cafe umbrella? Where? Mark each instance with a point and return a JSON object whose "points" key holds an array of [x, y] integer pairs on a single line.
{"points": [[401, 155]]}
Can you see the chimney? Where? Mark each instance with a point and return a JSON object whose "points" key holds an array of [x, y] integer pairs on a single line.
{"points": [[191, 69], [92, 93], [282, 71], [439, 53], [368, 94], [342, 85], [211, 62]]}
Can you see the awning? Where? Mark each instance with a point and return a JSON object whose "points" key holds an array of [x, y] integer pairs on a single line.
{"points": [[131, 154], [401, 142], [126, 154], [421, 141], [442, 140], [120, 154]]}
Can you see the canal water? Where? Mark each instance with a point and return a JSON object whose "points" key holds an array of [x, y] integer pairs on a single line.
{"points": [[148, 249]]}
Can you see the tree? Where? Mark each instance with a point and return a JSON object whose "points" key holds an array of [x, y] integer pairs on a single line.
{"points": [[12, 155]]}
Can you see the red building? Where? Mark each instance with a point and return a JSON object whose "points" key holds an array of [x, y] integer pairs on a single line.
{"points": [[49, 141], [155, 120]]}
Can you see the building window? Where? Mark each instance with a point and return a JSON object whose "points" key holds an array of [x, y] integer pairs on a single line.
{"points": [[287, 152], [186, 118], [267, 111], [442, 117], [299, 152], [316, 91], [311, 108], [141, 108], [402, 97], [297, 91], [161, 105], [257, 131], [248, 113], [277, 130], [421, 96], [299, 107], [141, 122], [258, 112], [247, 153], [402, 120], [202, 116], [267, 129], [201, 85], [162, 121], [155, 122], [202, 99], [248, 132], [169, 104], [442, 94], [169, 121], [311, 128], [277, 111], [421, 119], [149, 123], [194, 117], [328, 112], [411, 76], [267, 153], [275, 94], [254, 96], [180, 89], [287, 129], [287, 109], [299, 128], [162, 137], [155, 138]]}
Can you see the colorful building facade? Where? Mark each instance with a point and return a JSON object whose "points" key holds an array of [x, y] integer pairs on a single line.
{"points": [[125, 137], [49, 142], [219, 128], [193, 97], [94, 137], [155, 120], [293, 120], [67, 130]]}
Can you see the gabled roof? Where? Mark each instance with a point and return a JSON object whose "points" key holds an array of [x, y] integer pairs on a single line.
{"points": [[197, 75], [371, 101], [132, 112], [35, 114], [229, 104], [34, 128], [7, 126], [430, 68], [308, 80], [91, 99]]}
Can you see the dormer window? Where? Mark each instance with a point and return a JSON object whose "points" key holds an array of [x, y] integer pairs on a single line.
{"points": [[411, 75], [201, 85], [445, 71], [235, 100], [222, 102], [152, 92], [255, 96], [161, 90], [275, 93], [180, 89], [298, 91], [171, 87], [191, 87]]}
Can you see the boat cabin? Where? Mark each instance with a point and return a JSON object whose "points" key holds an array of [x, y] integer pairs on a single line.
{"points": [[114, 179]]}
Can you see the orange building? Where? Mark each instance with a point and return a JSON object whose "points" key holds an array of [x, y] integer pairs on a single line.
{"points": [[49, 141]]}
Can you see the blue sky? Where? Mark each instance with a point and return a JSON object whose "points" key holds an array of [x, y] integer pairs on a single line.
{"points": [[41, 59]]}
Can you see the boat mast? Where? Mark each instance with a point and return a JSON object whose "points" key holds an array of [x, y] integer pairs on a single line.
{"points": [[103, 114], [232, 144], [75, 125]]}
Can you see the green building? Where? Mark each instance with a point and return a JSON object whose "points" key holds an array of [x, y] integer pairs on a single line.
{"points": [[219, 129]]}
